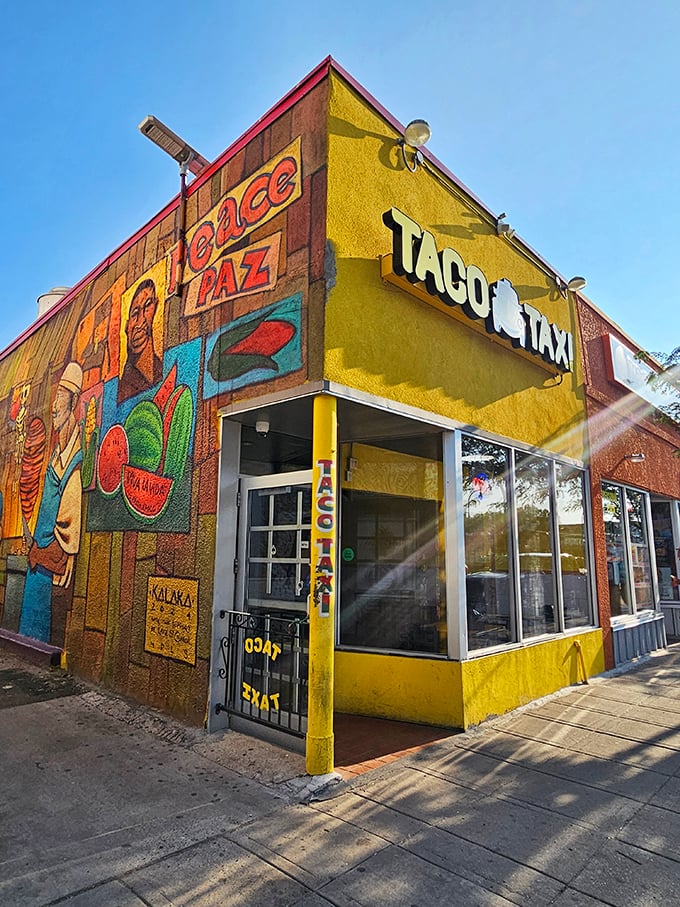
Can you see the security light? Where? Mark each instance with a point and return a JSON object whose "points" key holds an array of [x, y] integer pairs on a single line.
{"points": [[503, 228], [173, 145], [576, 283], [416, 134], [573, 285]]}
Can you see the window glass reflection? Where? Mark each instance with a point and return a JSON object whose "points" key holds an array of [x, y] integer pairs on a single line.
{"points": [[536, 576], [620, 597], [392, 588], [639, 547], [665, 547], [487, 557], [573, 548]]}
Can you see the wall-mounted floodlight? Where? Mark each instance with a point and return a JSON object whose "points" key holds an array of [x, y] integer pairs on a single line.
{"points": [[416, 134], [173, 145], [635, 457], [576, 283], [573, 285], [503, 228]]}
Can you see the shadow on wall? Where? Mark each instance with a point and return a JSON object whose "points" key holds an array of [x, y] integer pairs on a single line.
{"points": [[389, 154], [491, 372]]}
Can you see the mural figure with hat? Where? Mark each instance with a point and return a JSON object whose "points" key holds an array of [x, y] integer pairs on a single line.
{"points": [[56, 537]]}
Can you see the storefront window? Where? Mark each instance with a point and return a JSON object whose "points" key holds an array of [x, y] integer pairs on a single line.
{"points": [[392, 556], [620, 598], [503, 606], [487, 556], [639, 546], [536, 575], [571, 528], [628, 556], [665, 547]]}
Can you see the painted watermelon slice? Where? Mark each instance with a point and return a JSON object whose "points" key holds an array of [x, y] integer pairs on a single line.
{"points": [[145, 493], [113, 455]]}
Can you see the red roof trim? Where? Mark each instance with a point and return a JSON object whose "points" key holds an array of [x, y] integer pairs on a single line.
{"points": [[310, 81]]}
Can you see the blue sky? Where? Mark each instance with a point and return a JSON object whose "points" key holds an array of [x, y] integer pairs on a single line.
{"points": [[565, 115]]}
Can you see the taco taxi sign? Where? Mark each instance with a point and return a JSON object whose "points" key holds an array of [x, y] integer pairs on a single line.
{"points": [[441, 278]]}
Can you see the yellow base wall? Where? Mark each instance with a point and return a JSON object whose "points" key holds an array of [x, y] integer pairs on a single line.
{"points": [[455, 694], [423, 690], [500, 683]]}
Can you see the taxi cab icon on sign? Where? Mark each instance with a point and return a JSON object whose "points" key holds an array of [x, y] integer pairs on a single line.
{"points": [[507, 311]]}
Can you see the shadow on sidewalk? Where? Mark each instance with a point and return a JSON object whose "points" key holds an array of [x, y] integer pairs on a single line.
{"points": [[22, 686]]}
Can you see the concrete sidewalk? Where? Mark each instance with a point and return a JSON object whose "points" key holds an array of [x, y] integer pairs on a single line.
{"points": [[573, 801]]}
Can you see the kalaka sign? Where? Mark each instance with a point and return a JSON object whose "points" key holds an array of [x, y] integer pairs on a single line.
{"points": [[443, 276]]}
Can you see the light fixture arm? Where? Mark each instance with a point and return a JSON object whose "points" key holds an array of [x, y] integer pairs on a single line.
{"points": [[416, 134], [181, 227], [571, 286], [417, 157], [189, 160]]}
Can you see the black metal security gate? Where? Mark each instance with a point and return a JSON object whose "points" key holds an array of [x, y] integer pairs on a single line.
{"points": [[264, 666]]}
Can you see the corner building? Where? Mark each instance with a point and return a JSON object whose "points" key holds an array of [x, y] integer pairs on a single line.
{"points": [[336, 461]]}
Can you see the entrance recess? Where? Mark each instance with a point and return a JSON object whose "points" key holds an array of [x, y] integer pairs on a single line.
{"points": [[265, 649]]}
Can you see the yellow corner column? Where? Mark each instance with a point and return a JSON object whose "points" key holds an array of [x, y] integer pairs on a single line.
{"points": [[324, 534]]}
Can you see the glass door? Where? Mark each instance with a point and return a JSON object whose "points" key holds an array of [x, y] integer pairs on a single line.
{"points": [[274, 554]]}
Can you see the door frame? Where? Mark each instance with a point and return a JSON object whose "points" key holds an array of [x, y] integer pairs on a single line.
{"points": [[230, 533], [246, 485]]}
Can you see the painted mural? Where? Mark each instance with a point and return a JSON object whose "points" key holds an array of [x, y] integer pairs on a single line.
{"points": [[144, 460], [54, 539], [246, 271], [255, 201], [256, 347], [109, 460]]}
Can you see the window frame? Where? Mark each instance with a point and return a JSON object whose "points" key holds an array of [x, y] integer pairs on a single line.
{"points": [[636, 612], [674, 515], [520, 639]]}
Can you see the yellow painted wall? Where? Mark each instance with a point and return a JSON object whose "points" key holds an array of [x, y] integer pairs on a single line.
{"points": [[383, 341], [499, 683], [390, 472], [422, 690], [461, 694]]}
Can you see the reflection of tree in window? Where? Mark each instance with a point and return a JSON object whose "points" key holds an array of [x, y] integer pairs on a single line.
{"points": [[487, 512], [489, 616], [620, 601], [572, 539], [537, 584]]}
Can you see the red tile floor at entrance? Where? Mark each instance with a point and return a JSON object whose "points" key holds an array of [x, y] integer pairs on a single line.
{"points": [[362, 744]]}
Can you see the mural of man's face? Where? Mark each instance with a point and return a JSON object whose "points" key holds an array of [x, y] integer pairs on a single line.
{"points": [[139, 325], [61, 408]]}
